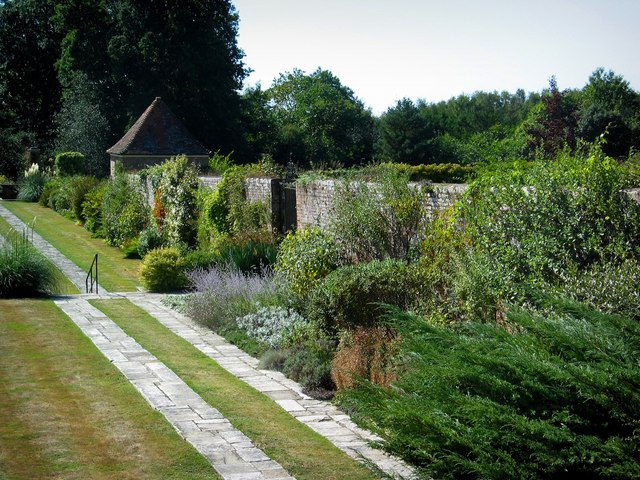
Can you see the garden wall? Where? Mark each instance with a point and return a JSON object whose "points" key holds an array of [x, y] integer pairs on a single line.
{"points": [[314, 200], [312, 203]]}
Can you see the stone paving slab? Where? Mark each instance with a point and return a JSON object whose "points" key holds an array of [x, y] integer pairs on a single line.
{"points": [[321, 416], [66, 266], [231, 453]]}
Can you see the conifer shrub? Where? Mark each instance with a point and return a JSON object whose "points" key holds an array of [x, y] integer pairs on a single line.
{"points": [[69, 163], [553, 393], [162, 270]]}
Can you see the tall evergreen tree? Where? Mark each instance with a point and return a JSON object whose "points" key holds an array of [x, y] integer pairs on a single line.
{"points": [[29, 88], [406, 136], [135, 50]]}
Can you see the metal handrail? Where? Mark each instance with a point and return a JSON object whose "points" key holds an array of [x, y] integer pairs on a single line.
{"points": [[90, 276]]}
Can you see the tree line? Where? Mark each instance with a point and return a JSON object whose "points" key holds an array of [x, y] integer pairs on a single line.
{"points": [[76, 74]]}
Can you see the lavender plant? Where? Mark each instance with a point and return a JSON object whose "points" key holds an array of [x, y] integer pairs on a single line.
{"points": [[225, 293]]}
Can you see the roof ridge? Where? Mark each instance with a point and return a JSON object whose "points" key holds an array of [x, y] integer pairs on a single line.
{"points": [[140, 122], [158, 131]]}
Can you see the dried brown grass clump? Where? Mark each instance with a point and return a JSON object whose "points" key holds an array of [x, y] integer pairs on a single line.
{"points": [[365, 353]]}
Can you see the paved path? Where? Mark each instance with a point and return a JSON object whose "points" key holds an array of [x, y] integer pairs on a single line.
{"points": [[321, 416], [230, 452], [66, 266]]}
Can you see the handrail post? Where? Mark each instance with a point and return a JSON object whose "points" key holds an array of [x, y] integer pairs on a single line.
{"points": [[97, 284], [90, 276]]}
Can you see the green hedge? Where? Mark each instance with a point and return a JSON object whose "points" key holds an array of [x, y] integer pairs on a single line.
{"points": [[70, 163]]}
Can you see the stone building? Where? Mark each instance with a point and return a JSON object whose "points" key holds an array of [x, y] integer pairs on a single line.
{"points": [[156, 136]]}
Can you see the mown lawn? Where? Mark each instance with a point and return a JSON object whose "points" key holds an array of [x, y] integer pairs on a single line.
{"points": [[67, 413], [302, 452], [117, 274]]}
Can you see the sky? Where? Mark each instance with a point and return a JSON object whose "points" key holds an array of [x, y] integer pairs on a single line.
{"points": [[386, 50]]}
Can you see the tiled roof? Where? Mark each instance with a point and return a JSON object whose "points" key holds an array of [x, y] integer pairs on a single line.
{"points": [[158, 132]]}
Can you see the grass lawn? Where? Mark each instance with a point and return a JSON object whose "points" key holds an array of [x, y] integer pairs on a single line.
{"points": [[117, 274], [64, 285], [67, 413], [302, 452]]}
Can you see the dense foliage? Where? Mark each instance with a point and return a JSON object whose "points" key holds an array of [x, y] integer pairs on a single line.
{"points": [[351, 296], [377, 220], [305, 258], [162, 270], [124, 210], [539, 221], [319, 121], [69, 163], [553, 396]]}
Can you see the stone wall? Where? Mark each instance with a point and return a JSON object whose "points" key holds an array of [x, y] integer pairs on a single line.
{"points": [[258, 189], [211, 182], [314, 200]]}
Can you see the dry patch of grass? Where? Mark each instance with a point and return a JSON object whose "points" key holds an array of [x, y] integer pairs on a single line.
{"points": [[302, 452], [117, 274], [67, 413]]}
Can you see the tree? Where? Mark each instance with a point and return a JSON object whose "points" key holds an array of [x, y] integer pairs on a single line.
{"points": [[552, 125], [187, 52], [135, 50], [29, 88], [406, 135], [610, 107], [82, 126], [258, 126], [320, 121]]}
